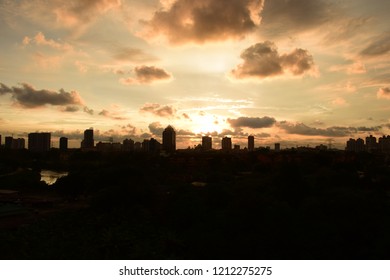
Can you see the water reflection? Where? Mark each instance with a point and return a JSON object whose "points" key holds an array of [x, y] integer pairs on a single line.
{"points": [[50, 176]]}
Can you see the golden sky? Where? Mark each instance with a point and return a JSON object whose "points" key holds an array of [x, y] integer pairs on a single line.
{"points": [[298, 72]]}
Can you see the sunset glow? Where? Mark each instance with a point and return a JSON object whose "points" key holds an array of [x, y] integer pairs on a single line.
{"points": [[295, 72]]}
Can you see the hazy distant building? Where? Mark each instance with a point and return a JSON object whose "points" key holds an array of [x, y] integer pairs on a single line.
{"points": [[8, 142], [63, 143], [169, 139], [137, 146], [351, 145], [355, 145], [154, 146], [384, 144], [236, 147], [251, 143], [371, 144], [146, 145], [207, 143], [39, 142], [277, 147], [88, 141], [128, 145], [226, 143]]}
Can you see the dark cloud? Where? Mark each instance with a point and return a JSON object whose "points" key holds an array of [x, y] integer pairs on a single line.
{"points": [[110, 115], [252, 122], [205, 20], [159, 110], [88, 110], [156, 128], [71, 109], [133, 55], [147, 75], [29, 97], [384, 93], [263, 60], [378, 46], [334, 131], [280, 17]]}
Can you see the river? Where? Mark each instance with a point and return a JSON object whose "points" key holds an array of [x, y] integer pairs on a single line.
{"points": [[50, 176]]}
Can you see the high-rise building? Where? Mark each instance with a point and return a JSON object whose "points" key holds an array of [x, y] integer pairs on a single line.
{"points": [[277, 147], [39, 142], [169, 139], [8, 142], [0, 140], [128, 145], [371, 144], [251, 143], [88, 141], [226, 143], [207, 143], [63, 143]]}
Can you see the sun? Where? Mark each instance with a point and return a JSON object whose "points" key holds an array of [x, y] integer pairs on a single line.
{"points": [[204, 124]]}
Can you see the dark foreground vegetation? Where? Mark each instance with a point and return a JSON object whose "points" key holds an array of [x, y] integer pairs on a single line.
{"points": [[260, 205]]}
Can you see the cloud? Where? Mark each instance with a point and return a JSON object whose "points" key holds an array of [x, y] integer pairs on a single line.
{"points": [[108, 114], [378, 46], [166, 111], [201, 21], [156, 128], [29, 97], [383, 93], [40, 40], [71, 108], [263, 60], [147, 75], [252, 122], [334, 131], [133, 55], [75, 13], [339, 101], [280, 17], [88, 110]]}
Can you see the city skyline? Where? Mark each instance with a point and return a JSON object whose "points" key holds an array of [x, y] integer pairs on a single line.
{"points": [[290, 72]]}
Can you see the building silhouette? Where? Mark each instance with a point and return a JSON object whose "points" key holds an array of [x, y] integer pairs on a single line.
{"points": [[207, 143], [63, 143], [226, 143], [251, 143], [39, 142], [88, 142], [277, 147], [169, 139], [128, 145], [371, 144], [8, 142]]}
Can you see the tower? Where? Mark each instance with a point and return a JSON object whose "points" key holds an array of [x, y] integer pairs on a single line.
{"points": [[207, 143], [226, 143], [88, 141], [169, 139], [251, 143]]}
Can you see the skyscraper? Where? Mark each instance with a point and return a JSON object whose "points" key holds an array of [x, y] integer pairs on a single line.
{"points": [[88, 142], [169, 139], [63, 143], [39, 142], [207, 143], [251, 143], [226, 143]]}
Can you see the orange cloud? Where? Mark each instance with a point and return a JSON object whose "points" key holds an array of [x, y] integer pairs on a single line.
{"points": [[263, 60], [200, 21], [383, 93], [147, 75]]}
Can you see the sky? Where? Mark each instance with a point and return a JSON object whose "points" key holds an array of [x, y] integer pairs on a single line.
{"points": [[296, 72]]}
